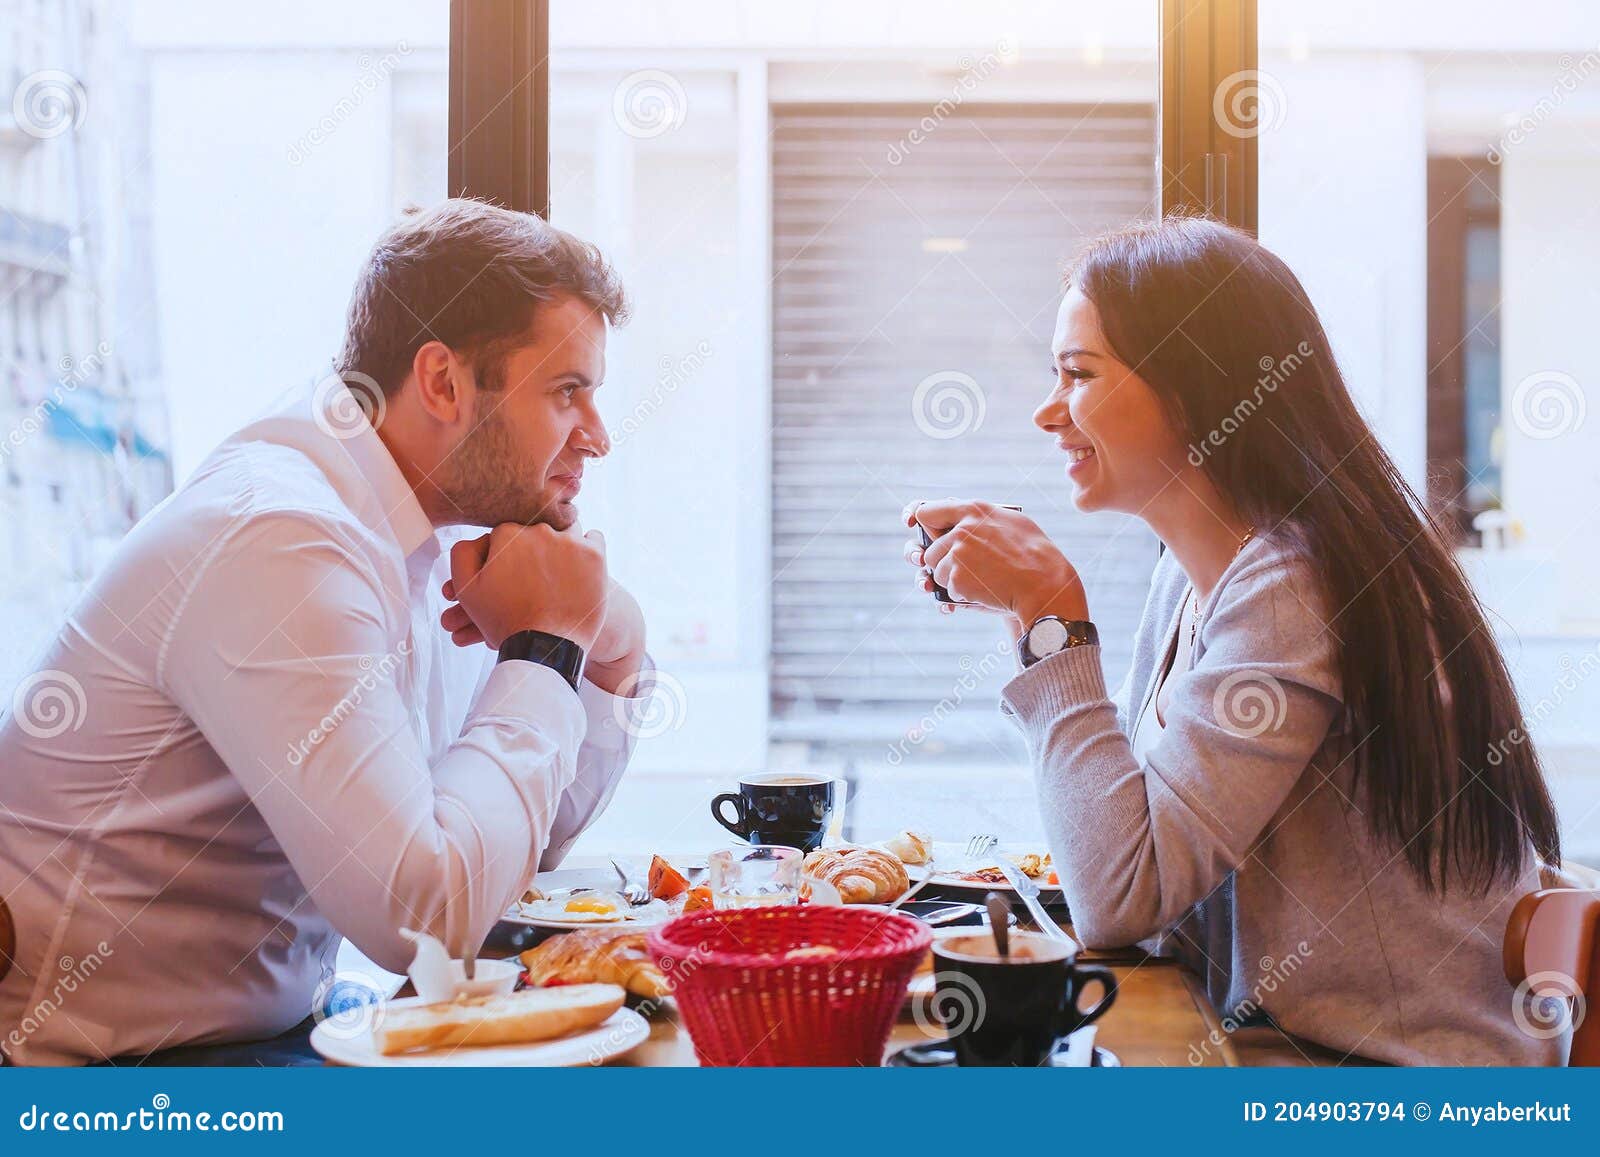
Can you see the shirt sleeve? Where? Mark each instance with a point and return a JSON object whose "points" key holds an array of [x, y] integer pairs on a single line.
{"points": [[1137, 845], [614, 723], [285, 657]]}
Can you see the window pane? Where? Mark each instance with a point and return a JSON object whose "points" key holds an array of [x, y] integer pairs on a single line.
{"points": [[1429, 174], [186, 193], [843, 238]]}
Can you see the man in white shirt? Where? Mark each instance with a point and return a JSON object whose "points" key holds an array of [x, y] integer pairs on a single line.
{"points": [[253, 735]]}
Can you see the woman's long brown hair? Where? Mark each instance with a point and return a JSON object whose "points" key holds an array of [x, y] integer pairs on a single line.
{"points": [[1223, 331]]}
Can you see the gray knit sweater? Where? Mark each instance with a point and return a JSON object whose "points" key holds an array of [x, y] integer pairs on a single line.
{"points": [[1242, 843]]}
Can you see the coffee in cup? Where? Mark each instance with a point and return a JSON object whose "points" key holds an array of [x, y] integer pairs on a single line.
{"points": [[788, 809], [1013, 1010]]}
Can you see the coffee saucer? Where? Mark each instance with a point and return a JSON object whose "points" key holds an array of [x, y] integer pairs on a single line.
{"points": [[936, 1054]]}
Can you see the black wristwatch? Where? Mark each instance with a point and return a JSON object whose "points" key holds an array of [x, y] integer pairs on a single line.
{"points": [[1050, 636], [562, 656]]}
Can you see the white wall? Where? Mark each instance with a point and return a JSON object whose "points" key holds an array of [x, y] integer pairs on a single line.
{"points": [[1343, 199], [254, 255], [684, 494], [1550, 251]]}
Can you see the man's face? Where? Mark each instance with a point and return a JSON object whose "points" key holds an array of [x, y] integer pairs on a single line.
{"points": [[522, 459]]}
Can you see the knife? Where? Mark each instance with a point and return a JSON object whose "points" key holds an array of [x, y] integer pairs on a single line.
{"points": [[1029, 891]]}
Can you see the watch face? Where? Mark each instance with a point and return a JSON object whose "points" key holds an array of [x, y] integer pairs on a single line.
{"points": [[1047, 637]]}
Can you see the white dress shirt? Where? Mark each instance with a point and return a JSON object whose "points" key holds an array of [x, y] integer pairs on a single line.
{"points": [[252, 736]]}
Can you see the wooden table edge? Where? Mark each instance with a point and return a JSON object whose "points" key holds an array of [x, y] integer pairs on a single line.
{"points": [[1214, 1029]]}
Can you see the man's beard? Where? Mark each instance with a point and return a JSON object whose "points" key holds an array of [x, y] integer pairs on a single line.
{"points": [[485, 487]]}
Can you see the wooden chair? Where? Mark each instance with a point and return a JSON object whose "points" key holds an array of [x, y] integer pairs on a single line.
{"points": [[1551, 939], [8, 939]]}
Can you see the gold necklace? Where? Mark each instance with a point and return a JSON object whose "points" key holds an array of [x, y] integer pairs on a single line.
{"points": [[1194, 595]]}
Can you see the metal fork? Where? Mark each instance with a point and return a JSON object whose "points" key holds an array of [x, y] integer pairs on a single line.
{"points": [[635, 893], [979, 845]]}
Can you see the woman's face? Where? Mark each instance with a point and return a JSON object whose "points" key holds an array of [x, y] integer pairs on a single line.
{"points": [[1122, 449]]}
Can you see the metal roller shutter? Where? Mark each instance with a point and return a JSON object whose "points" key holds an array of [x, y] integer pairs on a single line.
{"points": [[945, 262]]}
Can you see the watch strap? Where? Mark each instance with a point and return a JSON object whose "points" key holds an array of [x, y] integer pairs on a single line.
{"points": [[561, 655]]}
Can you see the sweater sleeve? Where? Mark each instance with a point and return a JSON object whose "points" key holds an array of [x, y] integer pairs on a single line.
{"points": [[1137, 845]]}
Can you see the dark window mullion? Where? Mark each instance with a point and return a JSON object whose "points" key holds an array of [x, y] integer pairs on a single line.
{"points": [[499, 137], [1208, 47]]}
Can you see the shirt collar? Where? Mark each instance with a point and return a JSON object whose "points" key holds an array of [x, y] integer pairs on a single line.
{"points": [[410, 526], [326, 423]]}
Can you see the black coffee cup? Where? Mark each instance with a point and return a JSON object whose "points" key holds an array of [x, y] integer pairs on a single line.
{"points": [[791, 810], [940, 594], [1014, 1011]]}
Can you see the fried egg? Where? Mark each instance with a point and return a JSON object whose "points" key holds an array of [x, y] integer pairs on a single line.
{"points": [[580, 908]]}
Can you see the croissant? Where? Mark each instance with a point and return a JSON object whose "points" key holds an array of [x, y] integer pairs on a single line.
{"points": [[596, 956], [862, 875]]}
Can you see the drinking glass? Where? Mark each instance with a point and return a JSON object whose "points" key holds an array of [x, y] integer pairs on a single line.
{"points": [[760, 877]]}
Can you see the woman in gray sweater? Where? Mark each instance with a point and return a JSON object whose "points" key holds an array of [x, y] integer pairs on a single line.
{"points": [[1316, 786]]}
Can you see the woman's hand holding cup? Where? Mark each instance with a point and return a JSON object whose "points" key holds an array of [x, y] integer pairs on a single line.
{"points": [[996, 558]]}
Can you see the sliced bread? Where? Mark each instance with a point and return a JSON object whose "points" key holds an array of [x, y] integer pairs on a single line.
{"points": [[534, 1014]]}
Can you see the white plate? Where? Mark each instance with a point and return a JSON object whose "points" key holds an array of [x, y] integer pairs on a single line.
{"points": [[621, 1032], [568, 879], [954, 856], [655, 913], [515, 917]]}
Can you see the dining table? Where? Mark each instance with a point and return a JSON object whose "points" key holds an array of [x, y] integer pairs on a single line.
{"points": [[1160, 1016]]}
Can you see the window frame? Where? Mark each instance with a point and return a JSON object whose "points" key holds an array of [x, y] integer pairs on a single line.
{"points": [[499, 103], [499, 118]]}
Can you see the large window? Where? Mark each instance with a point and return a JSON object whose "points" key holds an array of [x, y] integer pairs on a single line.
{"points": [[844, 240], [185, 196], [842, 226]]}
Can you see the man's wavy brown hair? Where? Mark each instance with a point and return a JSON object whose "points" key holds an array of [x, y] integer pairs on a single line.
{"points": [[473, 276]]}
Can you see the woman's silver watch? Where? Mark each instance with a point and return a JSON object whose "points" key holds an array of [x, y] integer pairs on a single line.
{"points": [[1051, 635]]}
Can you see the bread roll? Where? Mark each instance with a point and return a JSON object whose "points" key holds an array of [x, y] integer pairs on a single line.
{"points": [[911, 847], [534, 1014]]}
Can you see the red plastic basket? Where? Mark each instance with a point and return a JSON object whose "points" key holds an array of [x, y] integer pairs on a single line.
{"points": [[746, 999]]}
